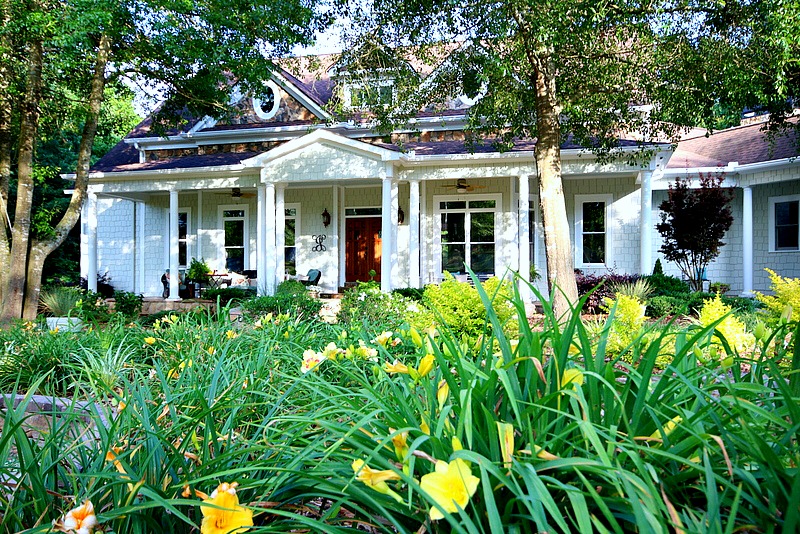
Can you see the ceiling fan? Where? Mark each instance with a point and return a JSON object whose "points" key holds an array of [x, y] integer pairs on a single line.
{"points": [[461, 186], [236, 192]]}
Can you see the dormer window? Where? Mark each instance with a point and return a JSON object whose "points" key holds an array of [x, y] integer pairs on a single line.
{"points": [[368, 95]]}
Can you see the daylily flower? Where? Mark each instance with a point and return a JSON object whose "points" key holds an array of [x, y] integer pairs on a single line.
{"points": [[450, 486], [149, 340], [669, 426], [80, 520], [400, 442], [442, 392], [426, 365], [230, 334], [416, 338], [571, 378], [383, 339], [225, 516], [311, 359], [211, 350], [331, 351], [376, 479], [395, 367]]}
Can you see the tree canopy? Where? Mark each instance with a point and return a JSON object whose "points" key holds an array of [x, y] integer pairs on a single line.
{"points": [[58, 51], [586, 71]]}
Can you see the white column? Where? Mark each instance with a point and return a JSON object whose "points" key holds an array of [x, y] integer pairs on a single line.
{"points": [[91, 219], [261, 241], [342, 236], [174, 275], [747, 242], [646, 224], [395, 238], [280, 234], [269, 239], [413, 235], [140, 246], [388, 210], [523, 233], [199, 226], [424, 224]]}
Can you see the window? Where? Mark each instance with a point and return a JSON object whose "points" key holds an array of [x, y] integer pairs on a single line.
{"points": [[290, 240], [784, 224], [369, 95], [267, 107], [183, 238], [468, 234], [235, 237], [592, 235]]}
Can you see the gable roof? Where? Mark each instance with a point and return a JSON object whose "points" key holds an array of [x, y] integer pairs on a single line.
{"points": [[741, 144]]}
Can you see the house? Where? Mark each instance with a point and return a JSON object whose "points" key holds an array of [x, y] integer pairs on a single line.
{"points": [[283, 187]]}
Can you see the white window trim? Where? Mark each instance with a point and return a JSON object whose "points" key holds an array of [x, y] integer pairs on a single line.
{"points": [[245, 237], [295, 206], [579, 201], [437, 222], [379, 208], [189, 237], [276, 102], [772, 237]]}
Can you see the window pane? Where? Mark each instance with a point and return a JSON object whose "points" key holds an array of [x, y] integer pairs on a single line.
{"points": [[594, 214], [290, 260], [458, 205], [350, 212], [482, 227], [183, 225], [786, 213], [482, 259], [453, 228], [182, 253], [482, 203], [233, 213], [786, 237], [453, 258], [234, 259], [594, 248], [289, 232], [385, 94], [234, 233], [291, 212]]}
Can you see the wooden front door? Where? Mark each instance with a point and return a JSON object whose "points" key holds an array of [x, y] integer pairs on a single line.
{"points": [[362, 248]]}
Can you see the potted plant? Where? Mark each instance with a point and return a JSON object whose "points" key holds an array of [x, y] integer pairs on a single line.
{"points": [[198, 274], [59, 304]]}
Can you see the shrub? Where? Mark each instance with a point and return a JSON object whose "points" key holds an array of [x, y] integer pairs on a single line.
{"points": [[602, 287], [59, 301], [662, 306], [93, 307], [227, 294], [128, 304], [301, 305], [291, 287], [626, 326], [787, 293], [664, 285], [459, 306], [367, 304], [411, 293], [731, 328]]}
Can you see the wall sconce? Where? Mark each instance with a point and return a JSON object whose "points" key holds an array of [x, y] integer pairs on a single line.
{"points": [[326, 218], [401, 216]]}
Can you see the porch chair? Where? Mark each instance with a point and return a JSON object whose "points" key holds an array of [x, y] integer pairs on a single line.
{"points": [[312, 278]]}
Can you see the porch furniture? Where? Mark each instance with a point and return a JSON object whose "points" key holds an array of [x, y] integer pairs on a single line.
{"points": [[219, 280], [312, 278]]}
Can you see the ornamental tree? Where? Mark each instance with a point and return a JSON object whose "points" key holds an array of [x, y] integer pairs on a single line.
{"points": [[693, 223]]}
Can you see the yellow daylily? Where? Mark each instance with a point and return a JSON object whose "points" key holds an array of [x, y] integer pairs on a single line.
{"points": [[331, 351], [571, 378], [426, 365], [416, 338], [442, 392], [225, 516], [79, 520], [395, 368], [450, 486], [149, 340], [376, 479], [425, 428], [505, 432], [400, 442], [230, 334], [383, 338]]}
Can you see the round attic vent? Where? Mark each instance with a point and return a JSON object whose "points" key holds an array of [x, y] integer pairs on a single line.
{"points": [[266, 108]]}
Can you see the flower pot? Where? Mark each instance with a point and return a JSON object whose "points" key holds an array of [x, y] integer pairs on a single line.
{"points": [[65, 324]]}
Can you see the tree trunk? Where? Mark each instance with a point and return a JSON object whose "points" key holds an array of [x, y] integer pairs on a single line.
{"points": [[41, 249], [5, 154], [20, 233], [558, 245]]}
